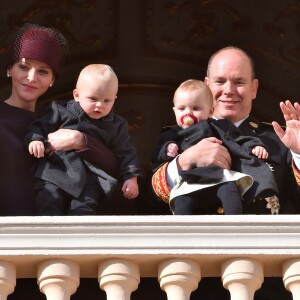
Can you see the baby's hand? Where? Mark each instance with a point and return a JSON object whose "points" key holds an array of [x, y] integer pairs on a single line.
{"points": [[260, 152], [130, 188], [172, 150], [37, 148]]}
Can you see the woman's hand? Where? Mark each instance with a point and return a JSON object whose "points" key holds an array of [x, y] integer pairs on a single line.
{"points": [[66, 140]]}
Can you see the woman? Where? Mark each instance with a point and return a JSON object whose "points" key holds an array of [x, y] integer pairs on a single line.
{"points": [[33, 65]]}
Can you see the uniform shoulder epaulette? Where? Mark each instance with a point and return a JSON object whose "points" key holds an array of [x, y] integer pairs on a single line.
{"points": [[268, 124], [254, 124]]}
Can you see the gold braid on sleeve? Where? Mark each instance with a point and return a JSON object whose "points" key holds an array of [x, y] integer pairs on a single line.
{"points": [[160, 185]]}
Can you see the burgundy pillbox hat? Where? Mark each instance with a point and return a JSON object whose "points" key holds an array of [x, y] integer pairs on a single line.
{"points": [[40, 43]]}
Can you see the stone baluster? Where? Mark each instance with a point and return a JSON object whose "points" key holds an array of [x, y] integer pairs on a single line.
{"points": [[178, 278], [242, 277], [291, 277], [58, 279], [7, 279], [118, 278]]}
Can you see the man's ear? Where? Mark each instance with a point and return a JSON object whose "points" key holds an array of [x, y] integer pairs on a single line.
{"points": [[255, 84], [206, 80]]}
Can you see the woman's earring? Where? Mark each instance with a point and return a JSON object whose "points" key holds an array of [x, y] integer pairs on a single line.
{"points": [[8, 75], [51, 84]]}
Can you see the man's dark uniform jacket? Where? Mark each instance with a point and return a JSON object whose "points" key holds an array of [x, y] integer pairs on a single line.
{"points": [[65, 168], [240, 141]]}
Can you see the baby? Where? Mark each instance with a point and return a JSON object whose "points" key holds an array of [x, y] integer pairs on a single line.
{"points": [[193, 108], [66, 184]]}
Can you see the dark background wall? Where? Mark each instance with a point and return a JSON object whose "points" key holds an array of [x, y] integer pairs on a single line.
{"points": [[153, 45]]}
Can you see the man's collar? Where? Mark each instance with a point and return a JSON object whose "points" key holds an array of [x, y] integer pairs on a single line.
{"points": [[237, 124]]}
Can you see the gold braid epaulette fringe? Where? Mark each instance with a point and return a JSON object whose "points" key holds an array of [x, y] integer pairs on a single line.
{"points": [[296, 172], [159, 183]]}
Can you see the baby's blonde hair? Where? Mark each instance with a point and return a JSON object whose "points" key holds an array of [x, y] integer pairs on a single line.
{"points": [[97, 71], [194, 84]]}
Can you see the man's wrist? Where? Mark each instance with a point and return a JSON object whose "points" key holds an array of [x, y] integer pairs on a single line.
{"points": [[184, 162], [178, 163], [172, 172], [80, 141]]}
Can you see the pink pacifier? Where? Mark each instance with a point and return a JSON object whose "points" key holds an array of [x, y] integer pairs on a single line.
{"points": [[188, 120]]}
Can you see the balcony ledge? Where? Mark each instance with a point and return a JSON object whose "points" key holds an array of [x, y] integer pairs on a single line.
{"points": [[148, 240]]}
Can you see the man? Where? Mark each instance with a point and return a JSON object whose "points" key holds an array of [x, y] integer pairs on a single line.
{"points": [[231, 78]]}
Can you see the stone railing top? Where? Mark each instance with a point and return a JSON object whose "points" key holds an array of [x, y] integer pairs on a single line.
{"points": [[150, 239]]}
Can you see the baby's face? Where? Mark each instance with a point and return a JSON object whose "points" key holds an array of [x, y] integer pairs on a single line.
{"points": [[96, 97], [191, 106]]}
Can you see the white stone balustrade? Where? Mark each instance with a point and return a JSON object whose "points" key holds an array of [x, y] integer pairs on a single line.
{"points": [[7, 279], [242, 277], [118, 278], [291, 277], [58, 279], [177, 250], [179, 277]]}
